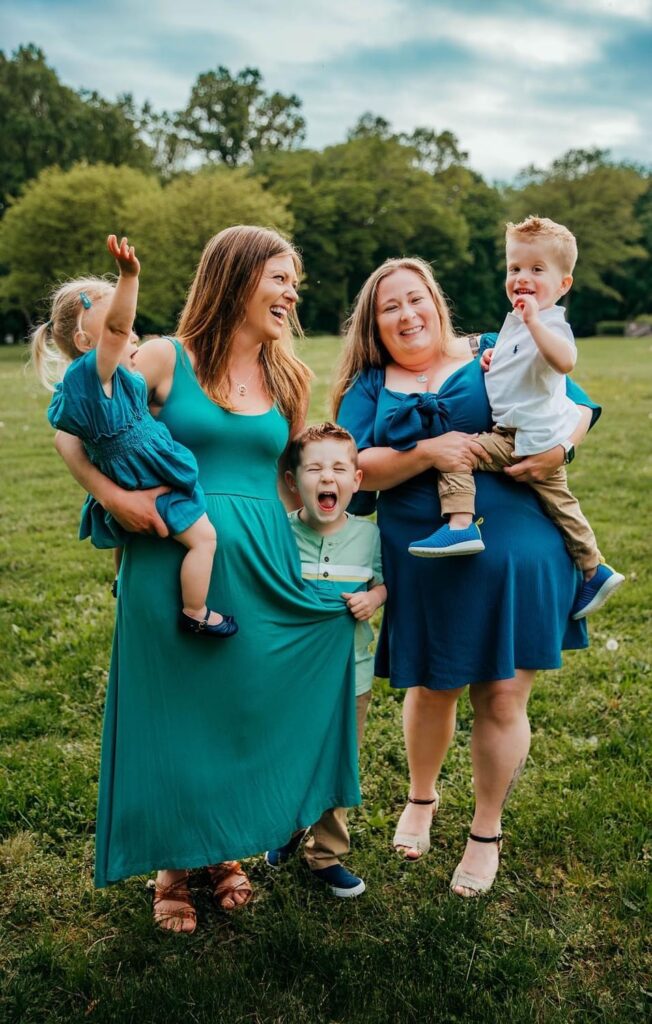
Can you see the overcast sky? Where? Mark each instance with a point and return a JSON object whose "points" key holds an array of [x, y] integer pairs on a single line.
{"points": [[517, 83]]}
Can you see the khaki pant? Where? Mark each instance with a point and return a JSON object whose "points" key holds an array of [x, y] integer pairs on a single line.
{"points": [[329, 837], [457, 494]]}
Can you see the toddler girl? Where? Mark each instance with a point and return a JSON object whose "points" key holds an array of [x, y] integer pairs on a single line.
{"points": [[103, 401]]}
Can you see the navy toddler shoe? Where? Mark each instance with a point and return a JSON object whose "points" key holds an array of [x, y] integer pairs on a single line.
{"points": [[274, 858], [444, 542], [341, 882], [594, 592], [227, 627]]}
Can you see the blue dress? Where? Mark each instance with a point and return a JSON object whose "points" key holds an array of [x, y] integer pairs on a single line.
{"points": [[127, 444], [453, 621]]}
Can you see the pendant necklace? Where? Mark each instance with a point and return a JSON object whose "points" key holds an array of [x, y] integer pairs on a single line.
{"points": [[241, 388], [422, 378]]}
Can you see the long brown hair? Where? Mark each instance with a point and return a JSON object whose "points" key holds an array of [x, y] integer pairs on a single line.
{"points": [[229, 271], [362, 343]]}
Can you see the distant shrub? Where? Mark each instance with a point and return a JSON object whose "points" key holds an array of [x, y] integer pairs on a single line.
{"points": [[610, 327]]}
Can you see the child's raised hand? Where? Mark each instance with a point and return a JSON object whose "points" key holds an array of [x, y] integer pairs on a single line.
{"points": [[485, 359], [528, 307], [124, 255]]}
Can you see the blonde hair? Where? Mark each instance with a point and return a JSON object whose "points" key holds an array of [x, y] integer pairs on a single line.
{"points": [[53, 345], [228, 273], [542, 229], [319, 432], [362, 343]]}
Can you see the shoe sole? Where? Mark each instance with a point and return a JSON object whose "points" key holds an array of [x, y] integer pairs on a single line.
{"points": [[274, 867], [605, 591], [468, 547], [345, 894]]}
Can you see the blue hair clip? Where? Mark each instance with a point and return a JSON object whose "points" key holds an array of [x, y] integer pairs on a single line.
{"points": [[85, 301]]}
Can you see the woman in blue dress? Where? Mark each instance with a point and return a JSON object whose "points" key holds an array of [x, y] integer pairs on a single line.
{"points": [[412, 395]]}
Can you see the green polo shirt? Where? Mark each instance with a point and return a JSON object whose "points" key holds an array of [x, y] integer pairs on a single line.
{"points": [[345, 561]]}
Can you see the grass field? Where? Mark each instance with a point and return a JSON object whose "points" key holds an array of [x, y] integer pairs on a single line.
{"points": [[560, 939]]}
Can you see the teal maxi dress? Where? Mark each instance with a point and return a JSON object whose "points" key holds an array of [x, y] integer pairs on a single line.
{"points": [[216, 750]]}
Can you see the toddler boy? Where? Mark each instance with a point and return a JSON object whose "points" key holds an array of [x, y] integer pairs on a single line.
{"points": [[337, 552], [527, 390]]}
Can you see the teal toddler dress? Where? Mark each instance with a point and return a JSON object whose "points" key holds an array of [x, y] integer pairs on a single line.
{"points": [[210, 751], [127, 444]]}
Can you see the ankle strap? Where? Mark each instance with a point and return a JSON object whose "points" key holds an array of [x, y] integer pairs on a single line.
{"points": [[414, 800], [486, 839]]}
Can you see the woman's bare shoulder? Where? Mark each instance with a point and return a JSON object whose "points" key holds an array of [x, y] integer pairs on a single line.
{"points": [[155, 359]]}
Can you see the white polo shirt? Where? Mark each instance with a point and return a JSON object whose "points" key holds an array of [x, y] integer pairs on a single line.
{"points": [[524, 391]]}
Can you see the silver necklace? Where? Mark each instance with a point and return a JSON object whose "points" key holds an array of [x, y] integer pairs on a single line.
{"points": [[422, 378], [241, 387]]}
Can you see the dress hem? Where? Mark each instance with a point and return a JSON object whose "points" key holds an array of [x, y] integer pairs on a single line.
{"points": [[508, 674], [193, 861]]}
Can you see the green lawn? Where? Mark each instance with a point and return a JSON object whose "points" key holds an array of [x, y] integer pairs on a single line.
{"points": [[561, 937]]}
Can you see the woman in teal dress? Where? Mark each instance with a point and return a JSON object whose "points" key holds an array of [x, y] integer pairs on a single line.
{"points": [[412, 396], [220, 751]]}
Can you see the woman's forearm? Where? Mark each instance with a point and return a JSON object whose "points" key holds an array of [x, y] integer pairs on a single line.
{"points": [[136, 511], [453, 452]]}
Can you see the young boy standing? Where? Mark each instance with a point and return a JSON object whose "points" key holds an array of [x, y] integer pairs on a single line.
{"points": [[526, 388], [342, 553]]}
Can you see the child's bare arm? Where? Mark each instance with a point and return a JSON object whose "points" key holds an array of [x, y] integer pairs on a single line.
{"points": [[364, 603], [557, 351], [118, 323], [135, 510]]}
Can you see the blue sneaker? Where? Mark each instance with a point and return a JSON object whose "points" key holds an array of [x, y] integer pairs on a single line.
{"points": [[444, 542], [275, 858], [341, 882], [594, 592]]}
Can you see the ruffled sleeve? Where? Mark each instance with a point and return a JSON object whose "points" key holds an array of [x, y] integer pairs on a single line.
{"points": [[358, 415], [57, 409], [359, 406]]}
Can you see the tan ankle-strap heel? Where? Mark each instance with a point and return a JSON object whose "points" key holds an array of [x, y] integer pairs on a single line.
{"points": [[477, 886], [419, 841]]}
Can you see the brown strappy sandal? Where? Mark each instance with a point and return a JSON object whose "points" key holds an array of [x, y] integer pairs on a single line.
{"points": [[226, 879], [177, 892]]}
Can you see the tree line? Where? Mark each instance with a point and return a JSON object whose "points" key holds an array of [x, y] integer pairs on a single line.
{"points": [[75, 167]]}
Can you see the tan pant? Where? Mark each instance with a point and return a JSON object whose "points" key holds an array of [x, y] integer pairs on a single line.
{"points": [[329, 837], [457, 494]]}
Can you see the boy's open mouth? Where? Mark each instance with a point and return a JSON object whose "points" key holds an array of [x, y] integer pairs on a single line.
{"points": [[327, 500]]}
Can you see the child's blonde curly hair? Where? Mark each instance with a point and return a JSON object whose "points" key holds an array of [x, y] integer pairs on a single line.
{"points": [[542, 229]]}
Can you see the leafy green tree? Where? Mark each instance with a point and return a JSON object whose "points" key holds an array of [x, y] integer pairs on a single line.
{"points": [[43, 122], [354, 205], [229, 118], [635, 278], [57, 229], [597, 200], [370, 125], [170, 227], [435, 151], [475, 284]]}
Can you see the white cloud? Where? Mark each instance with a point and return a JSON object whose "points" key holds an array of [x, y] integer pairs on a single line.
{"points": [[491, 80], [640, 10], [521, 39]]}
